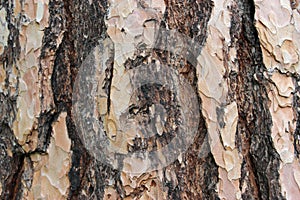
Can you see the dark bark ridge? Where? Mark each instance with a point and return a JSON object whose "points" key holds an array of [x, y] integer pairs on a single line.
{"points": [[84, 27], [11, 154], [191, 21], [296, 105], [261, 162]]}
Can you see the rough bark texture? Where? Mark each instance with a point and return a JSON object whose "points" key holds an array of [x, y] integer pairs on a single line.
{"points": [[240, 59]]}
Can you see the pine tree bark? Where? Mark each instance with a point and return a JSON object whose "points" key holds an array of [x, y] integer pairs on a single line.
{"points": [[239, 58]]}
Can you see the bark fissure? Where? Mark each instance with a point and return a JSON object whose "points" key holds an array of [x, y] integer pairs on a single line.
{"points": [[81, 35], [109, 72], [261, 160], [11, 154], [45, 122], [192, 21], [296, 102], [11, 161], [8, 58]]}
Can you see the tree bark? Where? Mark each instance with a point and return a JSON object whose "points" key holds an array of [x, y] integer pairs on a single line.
{"points": [[92, 91]]}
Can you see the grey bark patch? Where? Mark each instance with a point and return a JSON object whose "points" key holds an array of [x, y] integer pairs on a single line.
{"points": [[220, 116]]}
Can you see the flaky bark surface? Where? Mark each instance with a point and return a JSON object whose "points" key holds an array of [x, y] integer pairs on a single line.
{"points": [[244, 73]]}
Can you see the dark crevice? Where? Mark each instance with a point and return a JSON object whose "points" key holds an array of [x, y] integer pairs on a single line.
{"points": [[11, 166], [8, 58], [45, 121], [11, 153], [296, 105], [83, 28], [48, 116], [261, 161], [192, 22], [109, 72], [16, 191], [7, 108]]}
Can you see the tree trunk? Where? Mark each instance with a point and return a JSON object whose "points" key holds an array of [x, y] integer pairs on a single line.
{"points": [[149, 99]]}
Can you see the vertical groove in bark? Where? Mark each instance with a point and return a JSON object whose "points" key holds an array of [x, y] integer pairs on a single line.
{"points": [[191, 21], [46, 119], [81, 34], [109, 72], [11, 154], [297, 111], [261, 161], [11, 162], [48, 113], [8, 59]]}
